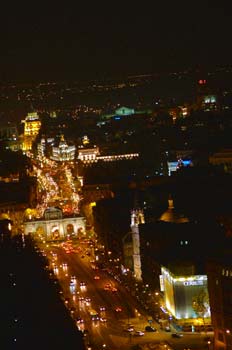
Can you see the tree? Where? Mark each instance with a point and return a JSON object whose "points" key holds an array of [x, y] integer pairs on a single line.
{"points": [[200, 304]]}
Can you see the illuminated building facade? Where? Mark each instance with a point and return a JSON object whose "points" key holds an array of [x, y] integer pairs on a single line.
{"points": [[115, 157], [53, 226], [63, 152], [174, 166], [88, 155], [207, 100], [32, 126], [176, 248], [41, 148], [92, 155], [122, 112], [179, 291]]}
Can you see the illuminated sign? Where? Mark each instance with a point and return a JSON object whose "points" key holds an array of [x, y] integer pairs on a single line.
{"points": [[173, 166], [193, 283]]}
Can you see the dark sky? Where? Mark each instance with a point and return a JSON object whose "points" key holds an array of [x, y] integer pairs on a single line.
{"points": [[67, 40]]}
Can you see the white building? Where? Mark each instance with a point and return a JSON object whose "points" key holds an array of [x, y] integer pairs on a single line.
{"points": [[63, 152]]}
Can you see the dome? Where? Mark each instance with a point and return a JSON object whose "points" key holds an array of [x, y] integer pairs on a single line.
{"points": [[172, 216]]}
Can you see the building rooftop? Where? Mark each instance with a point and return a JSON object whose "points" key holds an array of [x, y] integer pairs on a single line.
{"points": [[173, 216]]}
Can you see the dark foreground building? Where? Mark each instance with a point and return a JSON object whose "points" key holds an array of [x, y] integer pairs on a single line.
{"points": [[219, 270], [32, 314]]}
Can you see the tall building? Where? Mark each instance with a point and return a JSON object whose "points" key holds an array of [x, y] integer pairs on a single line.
{"points": [[207, 99], [131, 244], [219, 272], [179, 290], [32, 126]]}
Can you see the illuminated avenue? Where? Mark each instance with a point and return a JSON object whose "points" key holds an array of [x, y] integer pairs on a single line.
{"points": [[87, 287], [115, 176], [99, 195]]}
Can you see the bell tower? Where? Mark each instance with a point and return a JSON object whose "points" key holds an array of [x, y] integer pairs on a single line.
{"points": [[137, 217]]}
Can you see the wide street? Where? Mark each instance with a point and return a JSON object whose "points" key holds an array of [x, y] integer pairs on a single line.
{"points": [[87, 290], [100, 304]]}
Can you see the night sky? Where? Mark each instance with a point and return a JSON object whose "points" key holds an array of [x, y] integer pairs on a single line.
{"points": [[64, 40]]}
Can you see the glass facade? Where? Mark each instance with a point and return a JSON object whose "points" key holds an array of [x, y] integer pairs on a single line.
{"points": [[179, 292]]}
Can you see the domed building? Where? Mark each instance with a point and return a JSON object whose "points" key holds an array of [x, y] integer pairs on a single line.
{"points": [[174, 251], [173, 216], [63, 152]]}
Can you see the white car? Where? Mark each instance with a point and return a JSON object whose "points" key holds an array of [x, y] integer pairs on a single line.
{"points": [[138, 333], [129, 329]]}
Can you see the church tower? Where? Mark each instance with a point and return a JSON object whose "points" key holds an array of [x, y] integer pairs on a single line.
{"points": [[137, 217]]}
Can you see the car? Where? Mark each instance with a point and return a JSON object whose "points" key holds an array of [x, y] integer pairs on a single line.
{"points": [[107, 286], [103, 319], [97, 277], [150, 329], [74, 279], [129, 329], [177, 335], [95, 318], [82, 284], [138, 333], [87, 301], [79, 320], [118, 309], [167, 329]]}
